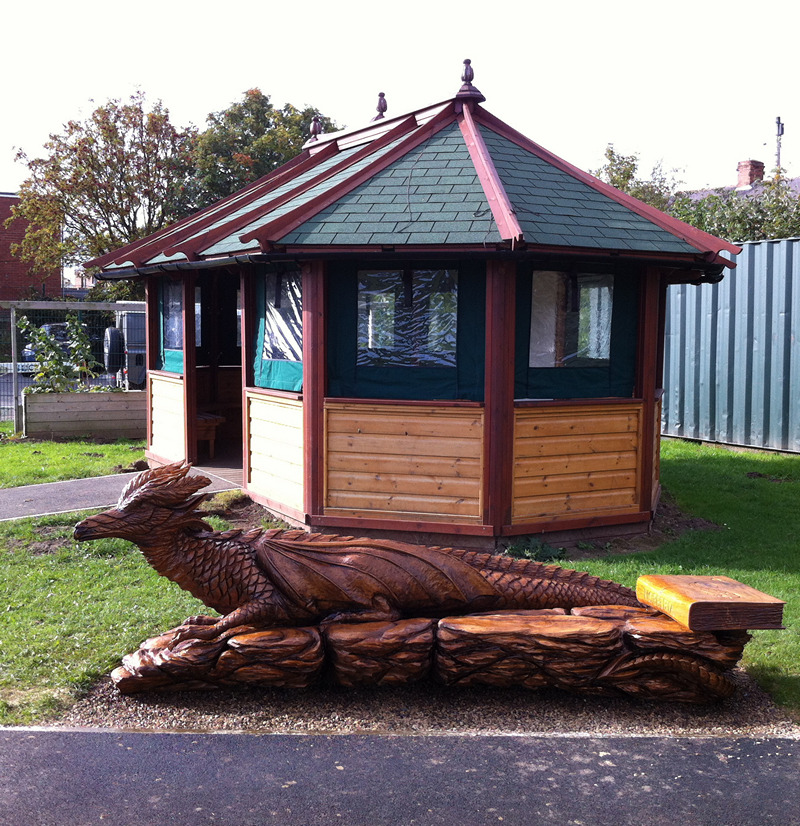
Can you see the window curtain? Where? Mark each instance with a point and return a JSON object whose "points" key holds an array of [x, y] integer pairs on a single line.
{"points": [[170, 304], [537, 345], [278, 357]]}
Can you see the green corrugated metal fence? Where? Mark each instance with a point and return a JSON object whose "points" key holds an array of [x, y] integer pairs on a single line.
{"points": [[732, 356]]}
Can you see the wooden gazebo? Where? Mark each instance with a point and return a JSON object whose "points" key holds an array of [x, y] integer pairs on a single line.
{"points": [[428, 325]]}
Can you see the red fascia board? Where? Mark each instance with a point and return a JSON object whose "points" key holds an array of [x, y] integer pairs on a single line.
{"points": [[191, 222], [502, 209], [208, 239], [531, 251], [273, 231], [702, 241]]}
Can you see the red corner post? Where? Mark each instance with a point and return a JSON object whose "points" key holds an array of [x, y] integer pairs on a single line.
{"points": [[651, 357], [189, 368], [498, 439], [314, 372]]}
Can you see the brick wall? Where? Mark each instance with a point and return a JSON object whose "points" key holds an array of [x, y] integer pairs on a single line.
{"points": [[16, 278]]}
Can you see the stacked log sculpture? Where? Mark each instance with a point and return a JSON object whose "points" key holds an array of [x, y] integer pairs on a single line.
{"points": [[298, 608]]}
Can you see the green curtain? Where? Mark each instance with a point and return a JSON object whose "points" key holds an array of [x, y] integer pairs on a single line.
{"points": [[170, 358], [275, 374]]}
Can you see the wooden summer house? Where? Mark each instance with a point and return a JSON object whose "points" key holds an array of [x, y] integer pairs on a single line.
{"points": [[428, 325]]}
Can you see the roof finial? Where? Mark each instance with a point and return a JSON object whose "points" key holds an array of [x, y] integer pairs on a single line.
{"points": [[382, 106], [468, 90], [316, 128]]}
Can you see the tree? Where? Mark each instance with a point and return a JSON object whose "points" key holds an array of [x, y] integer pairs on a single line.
{"points": [[120, 175], [770, 210], [247, 140], [621, 172]]}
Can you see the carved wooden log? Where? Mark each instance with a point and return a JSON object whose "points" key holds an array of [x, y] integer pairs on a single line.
{"points": [[376, 653], [563, 651], [276, 657], [605, 650]]}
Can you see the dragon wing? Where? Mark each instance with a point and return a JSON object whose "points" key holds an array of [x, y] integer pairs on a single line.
{"points": [[323, 576]]}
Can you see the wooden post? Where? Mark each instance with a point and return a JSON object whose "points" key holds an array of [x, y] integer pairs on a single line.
{"points": [[248, 293], [153, 333], [498, 438], [647, 371], [189, 371], [314, 374]]}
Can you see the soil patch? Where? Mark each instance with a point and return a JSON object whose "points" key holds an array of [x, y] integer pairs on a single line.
{"points": [[669, 523]]}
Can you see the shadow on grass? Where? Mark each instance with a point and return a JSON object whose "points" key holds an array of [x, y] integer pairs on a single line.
{"points": [[784, 687]]}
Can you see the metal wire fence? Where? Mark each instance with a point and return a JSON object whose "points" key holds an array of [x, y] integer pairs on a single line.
{"points": [[17, 356]]}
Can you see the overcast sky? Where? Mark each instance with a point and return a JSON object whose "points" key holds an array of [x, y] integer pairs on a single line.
{"points": [[696, 85]]}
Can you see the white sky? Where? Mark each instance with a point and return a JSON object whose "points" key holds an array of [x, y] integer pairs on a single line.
{"points": [[695, 84]]}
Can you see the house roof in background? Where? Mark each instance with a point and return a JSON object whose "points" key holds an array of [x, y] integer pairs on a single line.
{"points": [[448, 176]]}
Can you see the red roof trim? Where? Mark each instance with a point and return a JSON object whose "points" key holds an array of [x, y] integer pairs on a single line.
{"points": [[275, 230], [121, 255], [208, 239], [231, 205], [702, 241], [502, 209]]}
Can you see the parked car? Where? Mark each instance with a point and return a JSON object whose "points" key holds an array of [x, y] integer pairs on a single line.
{"points": [[60, 334]]}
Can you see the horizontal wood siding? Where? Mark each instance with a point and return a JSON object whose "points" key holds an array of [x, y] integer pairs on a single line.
{"points": [[276, 449], [389, 462], [120, 415], [167, 417], [576, 461]]}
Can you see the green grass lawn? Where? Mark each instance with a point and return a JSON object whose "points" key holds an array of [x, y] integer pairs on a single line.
{"points": [[29, 462], [70, 610], [755, 499]]}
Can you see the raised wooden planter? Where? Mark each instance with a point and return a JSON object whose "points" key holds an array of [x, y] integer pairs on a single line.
{"points": [[111, 414]]}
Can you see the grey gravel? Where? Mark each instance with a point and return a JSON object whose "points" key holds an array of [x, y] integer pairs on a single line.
{"points": [[426, 709]]}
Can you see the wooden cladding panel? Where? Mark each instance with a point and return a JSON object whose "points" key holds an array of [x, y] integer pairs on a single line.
{"points": [[576, 461], [389, 462], [276, 449], [656, 456], [167, 416]]}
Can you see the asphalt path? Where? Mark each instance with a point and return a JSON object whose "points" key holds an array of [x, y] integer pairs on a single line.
{"points": [[54, 778], [77, 494]]}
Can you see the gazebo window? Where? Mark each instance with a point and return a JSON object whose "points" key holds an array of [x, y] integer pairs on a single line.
{"points": [[279, 341], [171, 307], [407, 318], [414, 332], [570, 319], [576, 334]]}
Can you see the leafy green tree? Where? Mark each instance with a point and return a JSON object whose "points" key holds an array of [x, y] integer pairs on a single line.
{"points": [[117, 176], [621, 171], [247, 140], [769, 210]]}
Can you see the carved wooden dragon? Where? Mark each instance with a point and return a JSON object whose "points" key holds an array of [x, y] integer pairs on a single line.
{"points": [[259, 579]]}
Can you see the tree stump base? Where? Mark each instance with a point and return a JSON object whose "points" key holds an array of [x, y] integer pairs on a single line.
{"points": [[600, 650]]}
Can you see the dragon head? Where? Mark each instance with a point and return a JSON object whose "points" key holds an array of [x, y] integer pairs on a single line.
{"points": [[155, 500]]}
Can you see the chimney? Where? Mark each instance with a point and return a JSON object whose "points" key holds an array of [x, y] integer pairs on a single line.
{"points": [[749, 173]]}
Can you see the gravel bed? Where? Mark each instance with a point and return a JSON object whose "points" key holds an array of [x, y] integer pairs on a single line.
{"points": [[426, 709]]}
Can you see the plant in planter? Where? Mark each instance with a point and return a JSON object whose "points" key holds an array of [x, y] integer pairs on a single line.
{"points": [[65, 361]]}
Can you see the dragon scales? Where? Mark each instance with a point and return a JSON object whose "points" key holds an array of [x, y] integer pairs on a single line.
{"points": [[298, 598]]}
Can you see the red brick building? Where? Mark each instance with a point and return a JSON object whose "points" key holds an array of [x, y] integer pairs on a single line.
{"points": [[17, 280]]}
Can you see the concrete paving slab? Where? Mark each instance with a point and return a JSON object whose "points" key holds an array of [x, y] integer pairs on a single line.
{"points": [[54, 778], [78, 494]]}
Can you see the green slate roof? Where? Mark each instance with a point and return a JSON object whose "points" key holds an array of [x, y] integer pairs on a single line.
{"points": [[448, 176], [432, 195]]}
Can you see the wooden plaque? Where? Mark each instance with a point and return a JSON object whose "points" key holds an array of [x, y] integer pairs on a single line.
{"points": [[710, 603]]}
